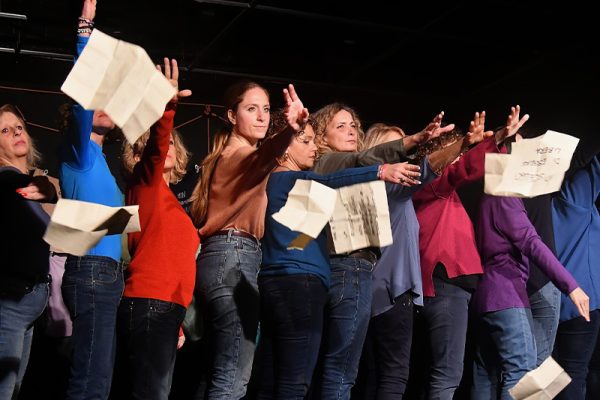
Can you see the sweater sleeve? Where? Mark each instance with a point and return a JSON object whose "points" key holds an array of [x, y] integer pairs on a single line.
{"points": [[390, 152], [345, 177], [79, 154], [469, 168], [583, 187], [401, 192], [150, 168], [510, 218]]}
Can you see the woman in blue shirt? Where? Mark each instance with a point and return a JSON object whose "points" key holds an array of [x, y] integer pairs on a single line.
{"points": [[294, 283]]}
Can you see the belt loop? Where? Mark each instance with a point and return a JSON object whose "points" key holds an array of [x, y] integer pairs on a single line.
{"points": [[229, 234]]}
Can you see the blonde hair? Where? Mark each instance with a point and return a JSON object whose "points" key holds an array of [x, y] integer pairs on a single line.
{"points": [[33, 155], [182, 155], [377, 132], [199, 199], [321, 119]]}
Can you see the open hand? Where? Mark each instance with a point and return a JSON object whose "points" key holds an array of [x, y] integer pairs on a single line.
{"points": [[582, 302], [513, 124], [295, 112], [476, 131], [432, 130], [403, 173], [171, 71]]}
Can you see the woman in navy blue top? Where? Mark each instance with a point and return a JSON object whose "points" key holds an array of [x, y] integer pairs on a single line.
{"points": [[294, 283]]}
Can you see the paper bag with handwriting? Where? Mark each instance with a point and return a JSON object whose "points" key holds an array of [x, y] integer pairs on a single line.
{"points": [[361, 218], [534, 167]]}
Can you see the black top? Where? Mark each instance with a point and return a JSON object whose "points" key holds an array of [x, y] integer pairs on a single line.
{"points": [[24, 253]]}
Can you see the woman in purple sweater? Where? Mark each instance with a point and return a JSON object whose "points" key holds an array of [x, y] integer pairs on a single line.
{"points": [[506, 241]]}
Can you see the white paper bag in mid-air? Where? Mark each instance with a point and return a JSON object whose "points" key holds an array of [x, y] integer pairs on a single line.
{"points": [[361, 218], [543, 383], [77, 226], [307, 210], [534, 167], [120, 79]]}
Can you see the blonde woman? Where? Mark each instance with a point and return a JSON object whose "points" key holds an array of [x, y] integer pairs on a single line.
{"points": [[339, 139], [230, 211], [24, 272]]}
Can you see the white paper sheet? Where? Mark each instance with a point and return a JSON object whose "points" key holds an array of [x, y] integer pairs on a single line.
{"points": [[77, 226], [534, 167], [361, 218], [543, 383], [120, 79]]}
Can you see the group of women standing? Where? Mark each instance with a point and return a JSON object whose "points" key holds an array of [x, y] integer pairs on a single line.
{"points": [[316, 309]]}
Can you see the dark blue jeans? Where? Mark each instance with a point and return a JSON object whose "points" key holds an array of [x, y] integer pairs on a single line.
{"points": [[17, 315], [577, 350], [147, 334], [291, 318], [505, 352], [387, 350], [347, 318], [446, 316], [545, 310], [92, 288], [227, 292]]}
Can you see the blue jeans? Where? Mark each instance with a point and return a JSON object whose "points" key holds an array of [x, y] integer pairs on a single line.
{"points": [[347, 318], [227, 291], [505, 352], [17, 315], [291, 327], [577, 350], [147, 334], [545, 310], [446, 318], [92, 288]]}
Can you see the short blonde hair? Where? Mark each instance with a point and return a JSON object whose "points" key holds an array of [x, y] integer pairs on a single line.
{"points": [[322, 117], [378, 131], [33, 156], [182, 155]]}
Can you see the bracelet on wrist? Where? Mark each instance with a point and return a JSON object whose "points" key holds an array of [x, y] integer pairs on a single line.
{"points": [[84, 30]]}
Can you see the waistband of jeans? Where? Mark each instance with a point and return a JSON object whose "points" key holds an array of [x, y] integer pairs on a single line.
{"points": [[234, 232], [365, 254], [92, 258]]}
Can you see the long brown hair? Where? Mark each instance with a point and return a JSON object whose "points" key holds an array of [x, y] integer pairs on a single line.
{"points": [[33, 156], [322, 117], [233, 97]]}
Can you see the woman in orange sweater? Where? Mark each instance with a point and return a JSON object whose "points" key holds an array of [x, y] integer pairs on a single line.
{"points": [[160, 279]]}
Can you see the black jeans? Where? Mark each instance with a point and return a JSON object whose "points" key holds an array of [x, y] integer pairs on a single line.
{"points": [[446, 318], [387, 350], [577, 350], [147, 334], [291, 318]]}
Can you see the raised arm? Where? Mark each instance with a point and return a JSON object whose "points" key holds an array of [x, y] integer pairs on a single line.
{"points": [[79, 154], [296, 116], [583, 187], [151, 166], [432, 130]]}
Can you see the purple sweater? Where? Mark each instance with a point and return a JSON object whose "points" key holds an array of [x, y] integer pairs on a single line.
{"points": [[506, 240]]}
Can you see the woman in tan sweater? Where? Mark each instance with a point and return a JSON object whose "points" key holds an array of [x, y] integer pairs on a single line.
{"points": [[229, 207]]}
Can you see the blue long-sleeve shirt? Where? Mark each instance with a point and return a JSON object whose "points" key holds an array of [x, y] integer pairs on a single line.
{"points": [[84, 174], [314, 259], [399, 268], [577, 234]]}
